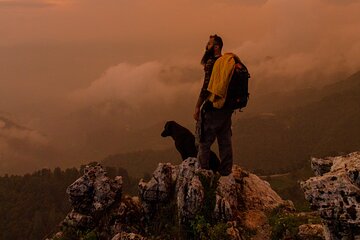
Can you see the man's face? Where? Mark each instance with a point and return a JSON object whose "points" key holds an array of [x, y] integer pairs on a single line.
{"points": [[209, 53], [210, 47]]}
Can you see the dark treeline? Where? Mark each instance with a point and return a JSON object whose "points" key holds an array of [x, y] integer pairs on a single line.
{"points": [[32, 206]]}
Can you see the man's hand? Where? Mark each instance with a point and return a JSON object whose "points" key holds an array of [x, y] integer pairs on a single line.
{"points": [[197, 113]]}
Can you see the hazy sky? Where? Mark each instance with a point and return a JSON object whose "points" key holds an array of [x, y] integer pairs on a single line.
{"points": [[120, 60], [276, 38]]}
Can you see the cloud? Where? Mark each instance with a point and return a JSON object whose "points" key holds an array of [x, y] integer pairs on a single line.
{"points": [[12, 131], [310, 44], [22, 149], [137, 86], [240, 2], [26, 4], [341, 2], [284, 71]]}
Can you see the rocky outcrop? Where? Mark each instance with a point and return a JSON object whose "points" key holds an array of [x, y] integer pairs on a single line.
{"points": [[94, 192], [335, 193], [197, 192], [182, 202], [92, 196]]}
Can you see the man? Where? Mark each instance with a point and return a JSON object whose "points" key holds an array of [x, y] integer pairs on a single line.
{"points": [[213, 123]]}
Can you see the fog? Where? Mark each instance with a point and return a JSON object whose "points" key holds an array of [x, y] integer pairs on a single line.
{"points": [[84, 79]]}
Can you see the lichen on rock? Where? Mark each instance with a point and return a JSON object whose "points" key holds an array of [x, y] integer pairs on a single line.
{"points": [[336, 194]]}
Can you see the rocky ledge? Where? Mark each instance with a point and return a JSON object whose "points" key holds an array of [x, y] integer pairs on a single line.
{"points": [[335, 193], [180, 202]]}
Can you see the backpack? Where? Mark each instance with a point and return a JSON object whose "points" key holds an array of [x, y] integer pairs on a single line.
{"points": [[237, 94]]}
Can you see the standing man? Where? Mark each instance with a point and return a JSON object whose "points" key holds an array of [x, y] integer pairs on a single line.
{"points": [[213, 123]]}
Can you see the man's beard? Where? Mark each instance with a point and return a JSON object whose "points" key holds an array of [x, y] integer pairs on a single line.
{"points": [[209, 53]]}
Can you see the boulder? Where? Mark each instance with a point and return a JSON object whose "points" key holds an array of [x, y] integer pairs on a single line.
{"points": [[128, 216], [79, 221], [233, 198], [94, 191], [321, 166], [189, 190], [159, 188], [336, 194]]}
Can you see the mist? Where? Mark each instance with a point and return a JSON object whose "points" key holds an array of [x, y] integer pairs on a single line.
{"points": [[84, 79]]}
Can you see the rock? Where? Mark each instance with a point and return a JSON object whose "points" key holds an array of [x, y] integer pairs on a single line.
{"points": [[129, 216], [58, 235], [252, 219], [232, 231], [92, 196], [190, 199], [128, 236], [255, 193], [311, 231], [158, 189], [254, 223], [190, 192], [336, 195], [81, 194], [226, 198], [78, 221], [321, 166], [235, 194], [184, 195], [94, 191]]}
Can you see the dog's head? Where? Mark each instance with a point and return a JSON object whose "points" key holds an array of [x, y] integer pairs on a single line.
{"points": [[168, 128]]}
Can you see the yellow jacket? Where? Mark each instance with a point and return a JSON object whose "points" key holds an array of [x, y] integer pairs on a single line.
{"points": [[220, 78]]}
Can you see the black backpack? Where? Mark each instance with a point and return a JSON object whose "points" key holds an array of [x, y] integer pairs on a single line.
{"points": [[237, 93]]}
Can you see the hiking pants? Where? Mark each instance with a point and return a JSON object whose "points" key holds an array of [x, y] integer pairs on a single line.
{"points": [[216, 125]]}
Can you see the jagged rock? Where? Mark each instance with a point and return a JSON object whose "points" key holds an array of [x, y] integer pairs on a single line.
{"points": [[239, 199], [336, 195], [226, 198], [94, 191], [159, 187], [255, 193], [321, 166], [128, 236], [232, 231], [311, 231], [190, 198], [237, 195], [78, 221], [128, 216], [190, 192]]}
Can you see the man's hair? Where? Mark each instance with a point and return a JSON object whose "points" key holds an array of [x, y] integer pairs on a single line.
{"points": [[217, 40]]}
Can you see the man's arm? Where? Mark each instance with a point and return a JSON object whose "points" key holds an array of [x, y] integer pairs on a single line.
{"points": [[199, 103], [204, 93]]}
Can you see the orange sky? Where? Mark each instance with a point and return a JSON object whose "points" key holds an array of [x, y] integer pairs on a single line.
{"points": [[58, 57], [297, 35]]}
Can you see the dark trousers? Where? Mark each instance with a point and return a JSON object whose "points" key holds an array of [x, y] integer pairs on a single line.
{"points": [[214, 125]]}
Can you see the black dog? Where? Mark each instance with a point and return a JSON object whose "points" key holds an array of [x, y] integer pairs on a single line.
{"points": [[185, 143]]}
